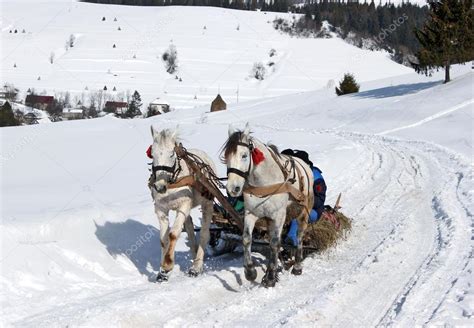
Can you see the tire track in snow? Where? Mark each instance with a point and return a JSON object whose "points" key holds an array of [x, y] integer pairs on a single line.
{"points": [[370, 278]]}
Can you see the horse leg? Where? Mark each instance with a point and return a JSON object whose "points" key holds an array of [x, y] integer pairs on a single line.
{"points": [[181, 215], [250, 271], [298, 267], [189, 227], [207, 210], [164, 242], [275, 228]]}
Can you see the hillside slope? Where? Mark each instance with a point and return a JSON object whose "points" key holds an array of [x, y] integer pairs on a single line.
{"points": [[216, 52]]}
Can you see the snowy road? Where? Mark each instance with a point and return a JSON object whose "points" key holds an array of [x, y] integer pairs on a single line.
{"points": [[412, 223]]}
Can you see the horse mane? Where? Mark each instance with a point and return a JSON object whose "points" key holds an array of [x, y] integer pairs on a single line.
{"points": [[274, 148], [230, 146]]}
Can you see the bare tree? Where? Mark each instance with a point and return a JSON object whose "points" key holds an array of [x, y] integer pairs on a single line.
{"points": [[128, 95], [120, 96], [96, 99], [258, 71], [170, 58], [72, 40], [11, 93]]}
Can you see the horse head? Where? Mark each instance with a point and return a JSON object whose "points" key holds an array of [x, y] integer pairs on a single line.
{"points": [[237, 155], [165, 166]]}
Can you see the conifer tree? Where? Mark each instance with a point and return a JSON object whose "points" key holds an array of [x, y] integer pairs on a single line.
{"points": [[134, 106], [7, 117], [447, 37], [347, 85]]}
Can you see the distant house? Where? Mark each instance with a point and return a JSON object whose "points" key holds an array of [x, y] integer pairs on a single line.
{"points": [[158, 106], [39, 102], [73, 113], [30, 118], [116, 107], [218, 104]]}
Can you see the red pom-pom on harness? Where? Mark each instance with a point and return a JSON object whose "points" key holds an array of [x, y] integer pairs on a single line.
{"points": [[257, 156], [148, 152]]}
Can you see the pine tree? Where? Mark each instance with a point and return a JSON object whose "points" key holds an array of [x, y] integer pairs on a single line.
{"points": [[447, 38], [7, 117], [347, 85], [134, 106]]}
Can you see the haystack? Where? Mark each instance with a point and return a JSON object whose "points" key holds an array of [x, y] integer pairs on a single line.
{"points": [[218, 104]]}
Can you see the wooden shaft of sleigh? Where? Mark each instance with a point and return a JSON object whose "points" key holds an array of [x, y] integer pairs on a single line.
{"points": [[202, 179]]}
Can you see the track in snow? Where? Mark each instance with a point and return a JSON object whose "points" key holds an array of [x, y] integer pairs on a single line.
{"points": [[412, 222]]}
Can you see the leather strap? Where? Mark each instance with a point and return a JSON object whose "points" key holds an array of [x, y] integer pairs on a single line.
{"points": [[274, 189], [186, 181], [277, 160], [243, 174]]}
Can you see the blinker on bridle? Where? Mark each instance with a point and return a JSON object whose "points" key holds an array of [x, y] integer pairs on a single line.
{"points": [[240, 173], [173, 170]]}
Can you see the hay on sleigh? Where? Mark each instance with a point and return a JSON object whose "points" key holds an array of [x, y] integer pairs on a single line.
{"points": [[323, 234], [319, 236]]}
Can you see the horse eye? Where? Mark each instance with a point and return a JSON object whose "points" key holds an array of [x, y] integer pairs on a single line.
{"points": [[244, 156]]}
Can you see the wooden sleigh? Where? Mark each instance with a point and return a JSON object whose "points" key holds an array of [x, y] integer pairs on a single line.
{"points": [[227, 223]]}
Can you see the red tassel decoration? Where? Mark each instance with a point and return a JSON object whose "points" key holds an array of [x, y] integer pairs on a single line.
{"points": [[148, 152], [257, 156]]}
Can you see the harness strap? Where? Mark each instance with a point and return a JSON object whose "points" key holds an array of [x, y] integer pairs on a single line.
{"points": [[277, 160], [186, 181], [274, 189], [243, 174], [169, 169]]}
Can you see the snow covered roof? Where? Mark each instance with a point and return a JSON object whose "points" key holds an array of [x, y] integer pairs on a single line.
{"points": [[73, 110]]}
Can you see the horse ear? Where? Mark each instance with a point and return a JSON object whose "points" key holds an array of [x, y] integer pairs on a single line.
{"points": [[232, 130], [247, 129], [153, 132]]}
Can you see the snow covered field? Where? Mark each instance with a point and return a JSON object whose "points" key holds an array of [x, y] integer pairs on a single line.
{"points": [[218, 58], [74, 202], [79, 238]]}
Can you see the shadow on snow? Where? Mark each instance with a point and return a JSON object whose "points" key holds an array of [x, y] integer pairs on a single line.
{"points": [[397, 90], [138, 242]]}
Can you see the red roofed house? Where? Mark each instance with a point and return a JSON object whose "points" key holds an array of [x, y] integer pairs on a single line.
{"points": [[40, 102], [117, 107]]}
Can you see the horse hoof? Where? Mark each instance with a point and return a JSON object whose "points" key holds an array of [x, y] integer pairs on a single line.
{"points": [[270, 279], [250, 274], [193, 272], [162, 276], [296, 271], [267, 283]]}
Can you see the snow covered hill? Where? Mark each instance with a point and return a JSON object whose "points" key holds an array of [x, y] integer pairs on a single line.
{"points": [[217, 49], [75, 201]]}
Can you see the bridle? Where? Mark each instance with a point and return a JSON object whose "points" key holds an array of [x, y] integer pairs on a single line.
{"points": [[241, 173], [174, 170]]}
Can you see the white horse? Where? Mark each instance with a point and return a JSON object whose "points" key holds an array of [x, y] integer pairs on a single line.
{"points": [[266, 180], [167, 169]]}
